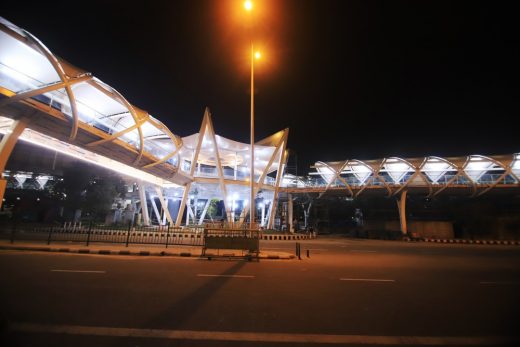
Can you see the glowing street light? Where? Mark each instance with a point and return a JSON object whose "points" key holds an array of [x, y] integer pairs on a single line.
{"points": [[248, 5]]}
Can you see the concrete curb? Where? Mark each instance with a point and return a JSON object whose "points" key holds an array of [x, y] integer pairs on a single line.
{"points": [[466, 241], [123, 252]]}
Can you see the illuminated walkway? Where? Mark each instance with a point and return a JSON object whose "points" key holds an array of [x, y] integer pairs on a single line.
{"points": [[473, 175]]}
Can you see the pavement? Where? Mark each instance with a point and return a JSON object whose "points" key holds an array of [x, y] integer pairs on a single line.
{"points": [[134, 250]]}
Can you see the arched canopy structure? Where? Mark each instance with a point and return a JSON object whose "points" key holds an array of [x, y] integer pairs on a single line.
{"points": [[220, 169], [71, 105], [432, 175]]}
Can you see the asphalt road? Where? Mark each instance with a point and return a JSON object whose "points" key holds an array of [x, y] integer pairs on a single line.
{"points": [[348, 292]]}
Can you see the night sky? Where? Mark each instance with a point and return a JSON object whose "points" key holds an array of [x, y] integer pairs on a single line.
{"points": [[351, 79]]}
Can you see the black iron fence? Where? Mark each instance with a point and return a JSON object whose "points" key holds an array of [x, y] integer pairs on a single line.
{"points": [[90, 233]]}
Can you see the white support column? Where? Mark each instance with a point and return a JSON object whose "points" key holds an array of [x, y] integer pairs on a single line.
{"points": [[268, 217], [182, 207], [144, 205], [290, 213], [155, 209], [164, 204], [203, 215], [189, 213], [236, 168], [220, 171], [6, 147], [262, 221], [194, 160], [401, 205], [243, 214], [279, 175]]}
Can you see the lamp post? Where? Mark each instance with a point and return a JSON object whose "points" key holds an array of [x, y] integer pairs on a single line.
{"points": [[252, 155], [248, 5]]}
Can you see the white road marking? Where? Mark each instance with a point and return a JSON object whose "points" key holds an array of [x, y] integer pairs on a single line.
{"points": [[230, 276], [366, 279], [261, 336], [497, 282], [362, 251], [81, 271]]}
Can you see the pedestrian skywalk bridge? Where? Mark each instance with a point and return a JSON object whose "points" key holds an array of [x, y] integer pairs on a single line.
{"points": [[49, 102], [474, 174]]}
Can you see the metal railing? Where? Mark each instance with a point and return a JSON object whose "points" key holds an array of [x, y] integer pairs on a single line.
{"points": [[485, 179], [91, 233]]}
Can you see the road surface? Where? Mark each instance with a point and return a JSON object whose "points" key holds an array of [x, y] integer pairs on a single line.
{"points": [[349, 292]]}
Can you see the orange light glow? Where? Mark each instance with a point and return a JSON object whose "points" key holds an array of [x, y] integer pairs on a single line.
{"points": [[248, 5], [258, 55]]}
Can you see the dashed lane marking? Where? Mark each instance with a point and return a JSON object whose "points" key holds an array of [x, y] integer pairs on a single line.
{"points": [[230, 276], [81, 271], [366, 280], [498, 282]]}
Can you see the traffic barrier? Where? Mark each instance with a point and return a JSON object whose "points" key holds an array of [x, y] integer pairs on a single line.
{"points": [[476, 242], [283, 237]]}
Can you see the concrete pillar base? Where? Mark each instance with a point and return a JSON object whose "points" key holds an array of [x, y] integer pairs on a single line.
{"points": [[3, 185]]}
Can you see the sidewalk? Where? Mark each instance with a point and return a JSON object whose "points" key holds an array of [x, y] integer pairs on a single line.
{"points": [[132, 249]]}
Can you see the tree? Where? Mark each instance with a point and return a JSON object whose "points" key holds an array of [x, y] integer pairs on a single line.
{"points": [[72, 188], [213, 208], [101, 194], [89, 189]]}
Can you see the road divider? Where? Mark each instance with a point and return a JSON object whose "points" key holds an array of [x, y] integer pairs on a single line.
{"points": [[467, 241], [288, 237]]}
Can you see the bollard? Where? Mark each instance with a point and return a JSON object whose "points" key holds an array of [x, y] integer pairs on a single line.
{"points": [[308, 253], [299, 251], [167, 234], [88, 233], [50, 235], [128, 233]]}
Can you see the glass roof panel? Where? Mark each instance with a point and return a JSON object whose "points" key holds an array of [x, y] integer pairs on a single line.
{"points": [[360, 171], [23, 68], [326, 173], [396, 169], [477, 166], [435, 168]]}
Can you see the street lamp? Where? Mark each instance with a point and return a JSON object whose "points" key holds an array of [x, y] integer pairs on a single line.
{"points": [[248, 5], [254, 55]]}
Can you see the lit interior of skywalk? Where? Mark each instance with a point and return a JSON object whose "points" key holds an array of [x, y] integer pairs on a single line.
{"points": [[479, 172], [29, 70]]}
